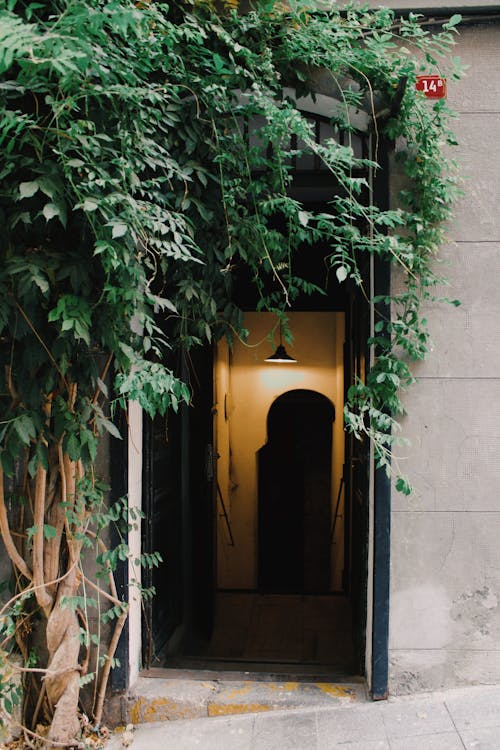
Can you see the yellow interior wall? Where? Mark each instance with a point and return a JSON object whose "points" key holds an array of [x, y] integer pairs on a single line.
{"points": [[245, 388]]}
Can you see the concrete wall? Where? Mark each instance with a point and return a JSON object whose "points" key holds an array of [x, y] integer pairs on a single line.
{"points": [[445, 618]]}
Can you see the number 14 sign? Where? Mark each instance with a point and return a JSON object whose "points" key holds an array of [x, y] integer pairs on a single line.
{"points": [[433, 87]]}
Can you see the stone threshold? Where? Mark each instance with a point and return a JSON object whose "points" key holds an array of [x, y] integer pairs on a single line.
{"points": [[167, 695]]}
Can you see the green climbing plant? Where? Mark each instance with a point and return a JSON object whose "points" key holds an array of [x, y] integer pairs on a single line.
{"points": [[132, 198]]}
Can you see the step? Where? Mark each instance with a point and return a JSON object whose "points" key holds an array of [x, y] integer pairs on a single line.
{"points": [[167, 695]]}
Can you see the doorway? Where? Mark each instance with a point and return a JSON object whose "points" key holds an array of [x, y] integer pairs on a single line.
{"points": [[224, 596], [281, 502], [294, 487], [261, 582]]}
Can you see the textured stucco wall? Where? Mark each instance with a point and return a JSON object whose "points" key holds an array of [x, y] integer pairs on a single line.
{"points": [[445, 614]]}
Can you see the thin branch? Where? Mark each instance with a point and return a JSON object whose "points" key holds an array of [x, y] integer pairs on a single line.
{"points": [[53, 743], [42, 342], [56, 518], [10, 385], [32, 589], [103, 548], [85, 664], [103, 377], [44, 599], [10, 547], [72, 391], [70, 485], [107, 666], [42, 670], [38, 705], [101, 591]]}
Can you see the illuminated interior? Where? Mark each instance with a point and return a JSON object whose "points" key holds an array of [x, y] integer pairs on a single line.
{"points": [[246, 386]]}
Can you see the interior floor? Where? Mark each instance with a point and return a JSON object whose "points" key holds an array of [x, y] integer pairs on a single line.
{"points": [[278, 632]]}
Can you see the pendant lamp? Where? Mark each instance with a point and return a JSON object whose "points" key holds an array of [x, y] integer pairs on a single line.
{"points": [[280, 356]]}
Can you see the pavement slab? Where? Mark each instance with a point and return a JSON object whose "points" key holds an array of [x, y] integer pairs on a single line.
{"points": [[416, 718], [349, 726], [476, 707], [461, 719], [440, 741], [481, 739], [278, 731]]}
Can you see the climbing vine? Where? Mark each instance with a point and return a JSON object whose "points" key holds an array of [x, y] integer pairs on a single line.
{"points": [[133, 198]]}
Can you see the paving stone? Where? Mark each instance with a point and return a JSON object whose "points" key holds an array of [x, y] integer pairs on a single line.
{"points": [[453, 720], [481, 739], [475, 708], [376, 745], [442, 741], [415, 718], [345, 725], [233, 733], [291, 731]]}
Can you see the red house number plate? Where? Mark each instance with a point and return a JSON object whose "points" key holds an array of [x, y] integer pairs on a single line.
{"points": [[433, 87]]}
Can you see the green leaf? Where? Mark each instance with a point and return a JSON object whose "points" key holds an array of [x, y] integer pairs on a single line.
{"points": [[25, 428], [90, 205], [341, 273], [28, 189], [49, 532], [73, 447], [403, 485], [111, 428], [119, 230], [454, 21], [50, 210], [31, 531]]}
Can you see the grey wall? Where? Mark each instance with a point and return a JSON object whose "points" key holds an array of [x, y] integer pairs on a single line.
{"points": [[445, 615]]}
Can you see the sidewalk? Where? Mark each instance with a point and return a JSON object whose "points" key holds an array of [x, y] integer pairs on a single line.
{"points": [[453, 720]]}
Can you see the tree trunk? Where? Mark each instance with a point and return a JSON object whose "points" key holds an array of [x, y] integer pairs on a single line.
{"points": [[63, 675], [54, 577]]}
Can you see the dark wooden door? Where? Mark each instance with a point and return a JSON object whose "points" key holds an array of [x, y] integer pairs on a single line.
{"points": [[201, 496], [161, 531], [179, 518]]}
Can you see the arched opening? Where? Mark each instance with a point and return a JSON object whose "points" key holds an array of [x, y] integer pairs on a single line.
{"points": [[294, 490]]}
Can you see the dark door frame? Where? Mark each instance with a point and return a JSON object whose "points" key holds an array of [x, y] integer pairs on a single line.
{"points": [[380, 568], [380, 571], [382, 483]]}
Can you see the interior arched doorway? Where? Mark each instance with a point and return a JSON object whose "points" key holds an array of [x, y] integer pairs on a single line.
{"points": [[294, 494]]}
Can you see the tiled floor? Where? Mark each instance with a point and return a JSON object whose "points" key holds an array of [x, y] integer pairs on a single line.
{"points": [[285, 628]]}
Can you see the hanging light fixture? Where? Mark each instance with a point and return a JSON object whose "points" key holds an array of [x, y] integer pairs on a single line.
{"points": [[280, 356]]}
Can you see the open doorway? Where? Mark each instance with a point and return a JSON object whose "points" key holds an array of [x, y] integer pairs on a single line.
{"points": [[247, 585], [281, 503], [251, 580]]}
